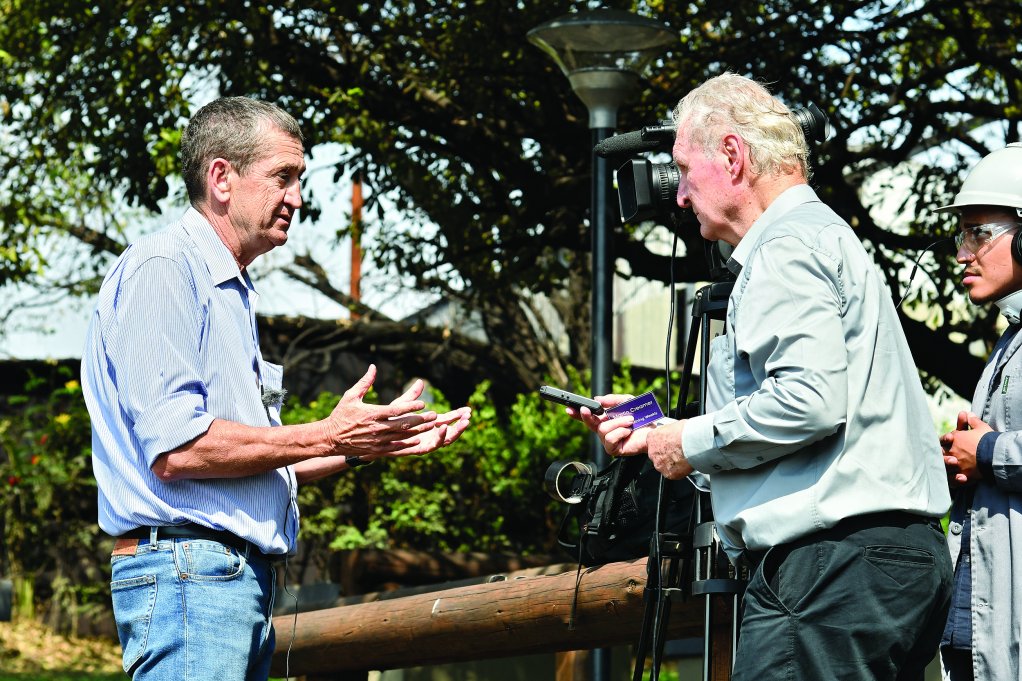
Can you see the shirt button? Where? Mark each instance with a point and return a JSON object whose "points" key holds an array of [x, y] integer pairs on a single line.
{"points": [[955, 528]]}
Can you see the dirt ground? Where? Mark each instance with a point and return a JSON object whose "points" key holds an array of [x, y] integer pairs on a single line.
{"points": [[27, 647]]}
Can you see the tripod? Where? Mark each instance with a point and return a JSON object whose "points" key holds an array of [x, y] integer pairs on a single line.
{"points": [[694, 560]]}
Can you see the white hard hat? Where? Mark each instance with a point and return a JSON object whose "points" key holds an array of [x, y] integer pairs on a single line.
{"points": [[995, 181]]}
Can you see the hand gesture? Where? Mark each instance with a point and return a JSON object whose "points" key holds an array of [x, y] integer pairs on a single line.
{"points": [[400, 428], [447, 427], [665, 450]]}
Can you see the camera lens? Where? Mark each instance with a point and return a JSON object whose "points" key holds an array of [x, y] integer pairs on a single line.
{"points": [[665, 178], [814, 123], [646, 189]]}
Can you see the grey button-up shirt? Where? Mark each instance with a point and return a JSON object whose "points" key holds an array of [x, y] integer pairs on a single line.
{"points": [[992, 509], [814, 408]]}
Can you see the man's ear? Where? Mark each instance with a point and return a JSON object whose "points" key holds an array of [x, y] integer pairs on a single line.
{"points": [[219, 180], [734, 152]]}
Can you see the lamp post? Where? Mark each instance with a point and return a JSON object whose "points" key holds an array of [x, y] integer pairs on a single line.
{"points": [[602, 53]]}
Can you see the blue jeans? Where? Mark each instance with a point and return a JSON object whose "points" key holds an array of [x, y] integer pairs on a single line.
{"points": [[191, 609]]}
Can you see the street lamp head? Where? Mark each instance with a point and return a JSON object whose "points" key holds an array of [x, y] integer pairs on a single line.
{"points": [[602, 52]]}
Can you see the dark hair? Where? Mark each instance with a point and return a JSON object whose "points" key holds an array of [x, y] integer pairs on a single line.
{"points": [[231, 128]]}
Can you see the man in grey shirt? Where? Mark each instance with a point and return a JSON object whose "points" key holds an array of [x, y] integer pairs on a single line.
{"points": [[983, 454], [824, 463]]}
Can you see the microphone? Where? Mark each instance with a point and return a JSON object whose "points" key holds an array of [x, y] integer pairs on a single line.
{"points": [[625, 143], [649, 138], [272, 396]]}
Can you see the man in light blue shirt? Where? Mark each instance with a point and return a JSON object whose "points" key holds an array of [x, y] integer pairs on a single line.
{"points": [[197, 477], [816, 437]]}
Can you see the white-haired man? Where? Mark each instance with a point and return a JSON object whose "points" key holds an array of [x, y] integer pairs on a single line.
{"points": [[816, 434]]}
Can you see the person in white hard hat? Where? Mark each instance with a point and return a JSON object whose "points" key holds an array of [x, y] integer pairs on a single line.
{"points": [[983, 455]]}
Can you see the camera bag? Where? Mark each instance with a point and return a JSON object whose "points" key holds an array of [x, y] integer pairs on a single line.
{"points": [[616, 518]]}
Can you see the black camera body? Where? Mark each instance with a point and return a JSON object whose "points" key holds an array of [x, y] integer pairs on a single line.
{"points": [[645, 189], [648, 190]]}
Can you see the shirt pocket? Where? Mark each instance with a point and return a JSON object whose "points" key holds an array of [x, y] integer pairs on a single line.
{"points": [[720, 374], [273, 380], [1008, 395]]}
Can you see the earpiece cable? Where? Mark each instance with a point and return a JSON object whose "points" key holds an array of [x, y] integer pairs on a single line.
{"points": [[915, 267]]}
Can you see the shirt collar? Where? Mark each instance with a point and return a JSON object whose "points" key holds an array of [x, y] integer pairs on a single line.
{"points": [[219, 259], [788, 199], [1011, 307]]}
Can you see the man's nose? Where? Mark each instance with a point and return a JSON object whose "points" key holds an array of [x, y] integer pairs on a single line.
{"points": [[964, 255], [293, 196], [682, 197]]}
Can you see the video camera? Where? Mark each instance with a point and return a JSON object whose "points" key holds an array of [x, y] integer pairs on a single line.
{"points": [[648, 190]]}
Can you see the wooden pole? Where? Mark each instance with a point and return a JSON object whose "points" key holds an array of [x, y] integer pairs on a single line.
{"points": [[502, 619], [719, 657], [355, 280]]}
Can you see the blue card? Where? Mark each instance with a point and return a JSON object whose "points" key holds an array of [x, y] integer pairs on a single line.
{"points": [[644, 409]]}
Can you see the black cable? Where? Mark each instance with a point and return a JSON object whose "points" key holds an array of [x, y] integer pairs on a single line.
{"points": [[578, 584], [670, 325], [654, 580], [294, 623], [915, 266]]}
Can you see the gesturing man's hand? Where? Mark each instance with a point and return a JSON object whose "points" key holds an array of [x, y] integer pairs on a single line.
{"points": [[400, 428]]}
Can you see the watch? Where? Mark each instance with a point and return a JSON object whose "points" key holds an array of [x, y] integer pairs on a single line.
{"points": [[354, 461]]}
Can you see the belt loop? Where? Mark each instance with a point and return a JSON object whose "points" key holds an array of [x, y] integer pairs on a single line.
{"points": [[152, 538]]}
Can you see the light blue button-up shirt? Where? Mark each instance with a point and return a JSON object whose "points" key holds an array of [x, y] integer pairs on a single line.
{"points": [[814, 408], [172, 346]]}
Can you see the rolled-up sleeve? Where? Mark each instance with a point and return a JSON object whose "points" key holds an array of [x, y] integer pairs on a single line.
{"points": [[154, 350]]}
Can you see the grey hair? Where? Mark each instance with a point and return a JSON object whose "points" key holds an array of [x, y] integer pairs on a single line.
{"points": [[231, 128], [730, 103]]}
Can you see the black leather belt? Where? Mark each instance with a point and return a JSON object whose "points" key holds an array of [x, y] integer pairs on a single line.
{"points": [[193, 531]]}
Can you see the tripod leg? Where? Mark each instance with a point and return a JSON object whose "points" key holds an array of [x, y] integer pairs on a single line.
{"points": [[663, 616], [651, 595], [676, 572]]}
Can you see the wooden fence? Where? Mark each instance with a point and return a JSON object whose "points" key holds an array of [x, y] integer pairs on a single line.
{"points": [[515, 614]]}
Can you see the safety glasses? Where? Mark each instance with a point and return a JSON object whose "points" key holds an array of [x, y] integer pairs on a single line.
{"points": [[975, 237]]}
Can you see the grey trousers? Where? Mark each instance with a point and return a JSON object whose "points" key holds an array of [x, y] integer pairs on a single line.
{"points": [[866, 600]]}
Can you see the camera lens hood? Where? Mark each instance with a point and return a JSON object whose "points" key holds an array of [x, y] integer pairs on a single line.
{"points": [[560, 478]]}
